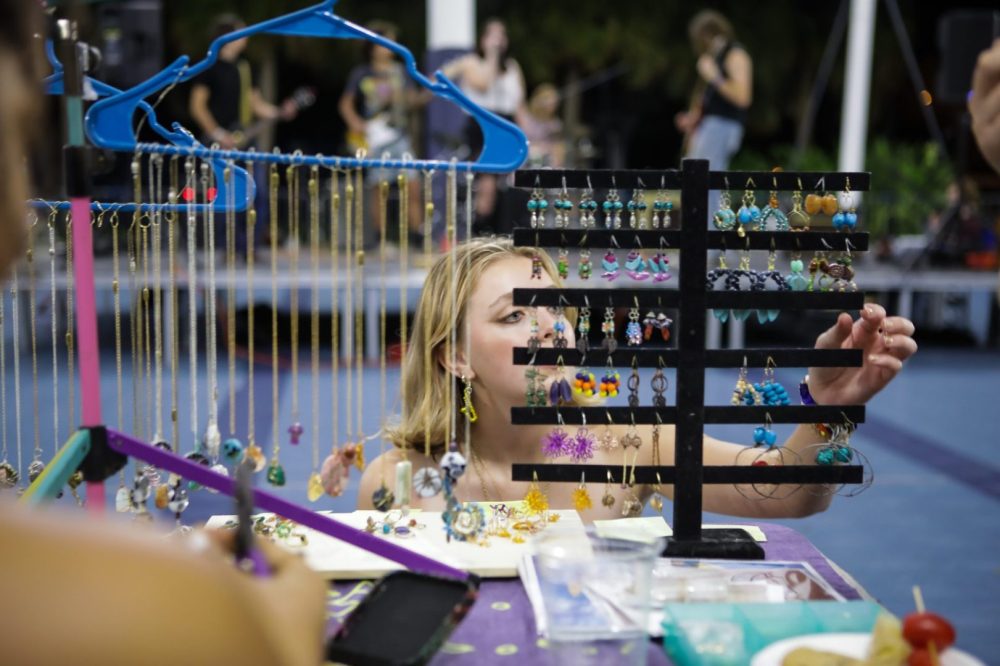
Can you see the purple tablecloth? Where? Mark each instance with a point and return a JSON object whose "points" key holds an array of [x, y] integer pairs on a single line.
{"points": [[500, 628]]}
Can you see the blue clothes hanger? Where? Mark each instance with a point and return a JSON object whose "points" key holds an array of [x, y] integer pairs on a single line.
{"points": [[109, 121], [243, 186]]}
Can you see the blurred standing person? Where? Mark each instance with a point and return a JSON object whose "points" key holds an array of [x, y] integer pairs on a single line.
{"points": [[492, 79], [713, 126], [544, 129], [376, 106], [224, 102], [984, 106]]}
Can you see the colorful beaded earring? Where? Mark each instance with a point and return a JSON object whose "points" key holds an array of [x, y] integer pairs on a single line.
{"points": [[744, 392], [724, 218], [749, 214], [730, 280], [637, 207], [535, 394], [562, 263], [611, 382], [608, 329], [796, 280], [846, 218], [536, 266], [662, 206], [798, 219], [563, 206], [760, 284], [534, 341], [635, 265], [537, 206], [585, 268], [610, 265], [583, 330], [588, 208], [656, 321], [559, 340], [633, 331], [581, 498], [659, 267], [772, 211], [772, 393], [612, 207]]}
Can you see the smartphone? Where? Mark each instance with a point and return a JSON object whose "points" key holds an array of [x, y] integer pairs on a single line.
{"points": [[404, 620]]}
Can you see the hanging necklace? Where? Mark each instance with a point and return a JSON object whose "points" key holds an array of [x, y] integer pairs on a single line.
{"points": [[427, 481], [8, 475], [382, 498], [359, 196], [16, 325], [192, 285], [213, 438], [54, 328], [122, 501], [275, 443], [135, 309], [156, 195], [232, 448], [36, 466], [314, 490], [295, 430], [333, 475], [251, 236], [404, 468], [174, 315]]}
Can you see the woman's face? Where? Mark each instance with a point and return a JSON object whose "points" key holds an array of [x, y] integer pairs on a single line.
{"points": [[496, 326], [494, 36]]}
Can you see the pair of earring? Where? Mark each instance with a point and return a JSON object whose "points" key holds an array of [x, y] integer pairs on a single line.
{"points": [[578, 447], [768, 391], [657, 322]]}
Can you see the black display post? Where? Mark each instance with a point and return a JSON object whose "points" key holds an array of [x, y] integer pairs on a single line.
{"points": [[690, 358]]}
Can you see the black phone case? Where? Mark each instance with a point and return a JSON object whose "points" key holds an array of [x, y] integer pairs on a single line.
{"points": [[372, 634]]}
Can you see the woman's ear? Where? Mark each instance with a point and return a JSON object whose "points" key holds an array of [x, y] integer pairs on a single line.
{"points": [[459, 367]]}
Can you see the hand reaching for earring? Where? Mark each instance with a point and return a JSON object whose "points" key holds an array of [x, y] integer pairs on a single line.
{"points": [[885, 343]]}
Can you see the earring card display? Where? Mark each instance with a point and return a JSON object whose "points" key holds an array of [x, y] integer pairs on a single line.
{"points": [[693, 301]]}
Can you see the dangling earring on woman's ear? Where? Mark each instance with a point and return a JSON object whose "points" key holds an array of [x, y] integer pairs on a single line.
{"points": [[467, 407]]}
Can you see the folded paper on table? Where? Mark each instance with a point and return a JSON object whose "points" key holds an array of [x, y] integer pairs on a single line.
{"points": [[647, 527]]}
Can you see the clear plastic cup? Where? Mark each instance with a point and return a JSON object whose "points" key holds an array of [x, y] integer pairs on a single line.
{"points": [[596, 596]]}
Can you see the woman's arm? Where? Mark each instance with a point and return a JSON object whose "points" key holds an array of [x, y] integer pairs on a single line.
{"points": [[737, 87]]}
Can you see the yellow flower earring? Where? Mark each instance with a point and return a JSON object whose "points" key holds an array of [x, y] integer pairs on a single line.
{"points": [[581, 498], [535, 499]]}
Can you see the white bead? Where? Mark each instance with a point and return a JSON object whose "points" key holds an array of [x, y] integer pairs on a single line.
{"points": [[847, 201]]}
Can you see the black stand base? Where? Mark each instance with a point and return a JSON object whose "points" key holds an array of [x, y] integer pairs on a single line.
{"points": [[721, 543]]}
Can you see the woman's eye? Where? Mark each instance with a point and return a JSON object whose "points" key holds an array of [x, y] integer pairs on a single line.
{"points": [[513, 317]]}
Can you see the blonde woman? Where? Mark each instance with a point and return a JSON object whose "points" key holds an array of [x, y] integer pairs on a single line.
{"points": [[496, 326]]}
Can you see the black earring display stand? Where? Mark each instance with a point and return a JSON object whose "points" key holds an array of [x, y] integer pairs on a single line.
{"points": [[690, 358]]}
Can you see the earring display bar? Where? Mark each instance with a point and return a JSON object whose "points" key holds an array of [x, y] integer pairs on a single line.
{"points": [[692, 299], [673, 179], [667, 239], [669, 298], [645, 357], [715, 474]]}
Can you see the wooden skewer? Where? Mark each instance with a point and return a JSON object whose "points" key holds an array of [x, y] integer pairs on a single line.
{"points": [[918, 600]]}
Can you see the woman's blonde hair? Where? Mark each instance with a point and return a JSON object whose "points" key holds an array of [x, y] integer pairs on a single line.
{"points": [[426, 409]]}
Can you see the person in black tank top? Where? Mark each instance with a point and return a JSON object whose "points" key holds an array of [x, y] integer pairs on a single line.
{"points": [[713, 127]]}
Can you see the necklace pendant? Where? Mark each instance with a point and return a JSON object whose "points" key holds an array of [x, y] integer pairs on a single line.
{"points": [[276, 474], [383, 498], [314, 488]]}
